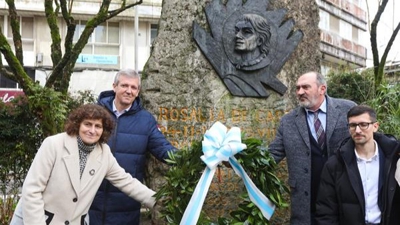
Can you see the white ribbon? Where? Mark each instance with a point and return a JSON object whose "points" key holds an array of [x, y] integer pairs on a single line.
{"points": [[219, 145]]}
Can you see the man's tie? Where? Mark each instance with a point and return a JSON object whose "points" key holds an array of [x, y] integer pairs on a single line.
{"points": [[319, 129]]}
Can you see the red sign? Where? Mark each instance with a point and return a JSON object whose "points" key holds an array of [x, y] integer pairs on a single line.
{"points": [[8, 95]]}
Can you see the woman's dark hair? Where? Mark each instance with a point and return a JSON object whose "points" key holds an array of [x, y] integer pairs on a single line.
{"points": [[90, 112]]}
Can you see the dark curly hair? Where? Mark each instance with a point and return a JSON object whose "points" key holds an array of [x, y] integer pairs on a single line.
{"points": [[91, 112]]}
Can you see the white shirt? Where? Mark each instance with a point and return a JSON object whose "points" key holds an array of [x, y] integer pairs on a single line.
{"points": [[369, 172], [119, 113]]}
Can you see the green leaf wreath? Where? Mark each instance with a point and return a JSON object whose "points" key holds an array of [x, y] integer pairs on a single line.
{"points": [[187, 168]]}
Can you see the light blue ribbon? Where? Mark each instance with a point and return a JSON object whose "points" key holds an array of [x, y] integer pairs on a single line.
{"points": [[219, 145]]}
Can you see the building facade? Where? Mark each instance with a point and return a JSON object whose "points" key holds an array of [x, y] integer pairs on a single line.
{"points": [[118, 43], [343, 25], [122, 43]]}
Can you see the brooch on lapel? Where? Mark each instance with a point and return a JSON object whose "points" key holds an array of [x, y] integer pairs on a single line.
{"points": [[91, 172]]}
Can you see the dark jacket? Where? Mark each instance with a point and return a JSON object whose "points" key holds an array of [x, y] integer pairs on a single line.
{"points": [[136, 133], [341, 196]]}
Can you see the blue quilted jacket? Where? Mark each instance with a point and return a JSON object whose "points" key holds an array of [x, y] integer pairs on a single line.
{"points": [[135, 134]]}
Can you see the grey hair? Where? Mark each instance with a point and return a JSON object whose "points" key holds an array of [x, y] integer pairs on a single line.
{"points": [[320, 79], [127, 73]]}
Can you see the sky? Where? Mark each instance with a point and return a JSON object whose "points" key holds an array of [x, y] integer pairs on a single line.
{"points": [[388, 22]]}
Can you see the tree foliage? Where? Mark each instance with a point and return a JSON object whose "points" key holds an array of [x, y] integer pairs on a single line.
{"points": [[63, 63], [358, 86], [352, 85]]}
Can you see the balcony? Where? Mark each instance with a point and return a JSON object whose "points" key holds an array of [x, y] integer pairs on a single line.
{"points": [[343, 49]]}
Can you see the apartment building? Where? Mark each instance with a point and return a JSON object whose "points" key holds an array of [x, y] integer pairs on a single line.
{"points": [[123, 43], [343, 25], [119, 43]]}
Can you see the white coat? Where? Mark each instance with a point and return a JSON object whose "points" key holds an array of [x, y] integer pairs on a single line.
{"points": [[53, 192]]}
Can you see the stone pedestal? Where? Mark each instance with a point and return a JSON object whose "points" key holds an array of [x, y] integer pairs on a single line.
{"points": [[185, 94]]}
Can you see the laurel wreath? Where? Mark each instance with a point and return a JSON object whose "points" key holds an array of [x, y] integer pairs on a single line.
{"points": [[187, 168]]}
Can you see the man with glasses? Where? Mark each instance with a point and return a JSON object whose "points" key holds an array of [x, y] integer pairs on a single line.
{"points": [[358, 185]]}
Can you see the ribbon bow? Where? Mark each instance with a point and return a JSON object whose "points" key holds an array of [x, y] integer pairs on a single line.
{"points": [[219, 145]]}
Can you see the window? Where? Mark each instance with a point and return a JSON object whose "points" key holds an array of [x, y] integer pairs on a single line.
{"points": [[153, 32], [356, 2], [79, 29], [355, 34], [334, 24], [27, 35], [103, 41], [325, 69], [346, 30], [7, 83], [324, 20], [26, 30]]}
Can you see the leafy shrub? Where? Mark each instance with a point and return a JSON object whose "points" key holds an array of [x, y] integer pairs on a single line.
{"points": [[19, 141], [387, 105], [352, 85], [359, 87]]}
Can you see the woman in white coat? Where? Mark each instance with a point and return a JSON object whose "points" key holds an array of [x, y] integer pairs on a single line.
{"points": [[69, 168]]}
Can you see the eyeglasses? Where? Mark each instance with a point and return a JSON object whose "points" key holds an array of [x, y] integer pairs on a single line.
{"points": [[362, 125]]}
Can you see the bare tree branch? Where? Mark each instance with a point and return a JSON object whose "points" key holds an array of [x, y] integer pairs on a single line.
{"points": [[3, 70], [66, 11], [381, 70], [15, 27], [71, 3], [390, 43], [60, 77], [51, 15], [71, 25], [17, 72], [368, 15], [6, 73], [115, 12], [63, 64], [374, 45]]}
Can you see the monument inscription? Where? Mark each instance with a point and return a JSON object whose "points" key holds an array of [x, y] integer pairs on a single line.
{"points": [[188, 124]]}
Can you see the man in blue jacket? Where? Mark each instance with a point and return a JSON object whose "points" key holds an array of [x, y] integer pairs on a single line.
{"points": [[136, 133]]}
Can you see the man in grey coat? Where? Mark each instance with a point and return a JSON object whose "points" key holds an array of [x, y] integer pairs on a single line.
{"points": [[307, 136]]}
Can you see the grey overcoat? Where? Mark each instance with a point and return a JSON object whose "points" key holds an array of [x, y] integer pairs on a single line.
{"points": [[293, 142]]}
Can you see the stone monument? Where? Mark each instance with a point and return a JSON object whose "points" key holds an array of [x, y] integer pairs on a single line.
{"points": [[187, 92]]}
